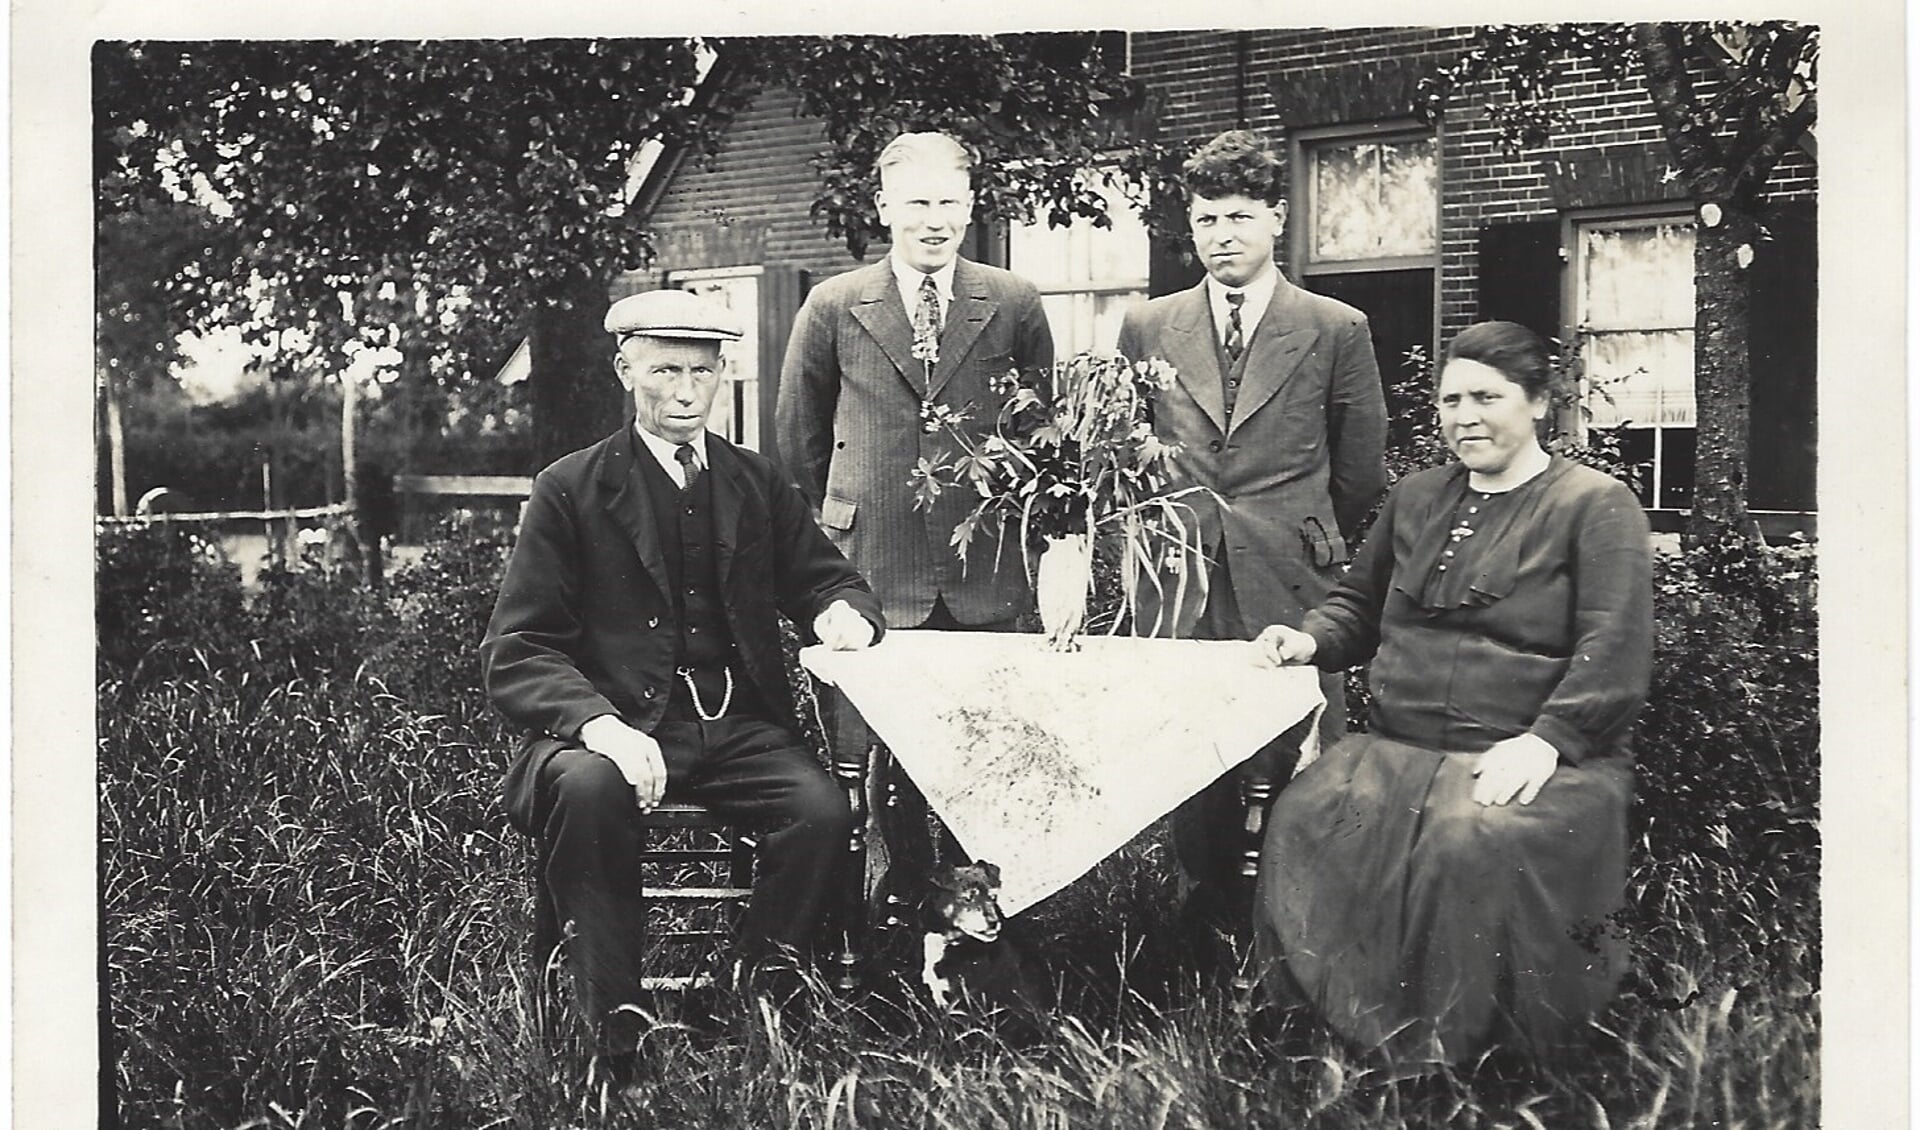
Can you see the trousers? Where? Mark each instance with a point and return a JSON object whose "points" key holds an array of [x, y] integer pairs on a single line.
{"points": [[751, 773]]}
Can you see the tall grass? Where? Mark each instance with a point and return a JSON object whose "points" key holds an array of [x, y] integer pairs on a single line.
{"points": [[314, 915]]}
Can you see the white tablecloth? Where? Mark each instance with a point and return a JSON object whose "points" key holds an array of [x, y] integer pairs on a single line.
{"points": [[1046, 762]]}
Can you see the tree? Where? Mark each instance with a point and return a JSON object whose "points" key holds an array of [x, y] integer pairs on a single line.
{"points": [[1038, 111], [148, 264], [1732, 99], [448, 198]]}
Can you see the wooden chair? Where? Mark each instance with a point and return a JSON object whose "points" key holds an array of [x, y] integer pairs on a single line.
{"points": [[848, 921], [683, 878]]}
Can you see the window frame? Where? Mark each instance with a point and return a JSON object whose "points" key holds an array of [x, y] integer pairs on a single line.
{"points": [[1300, 147], [1299, 268], [1138, 285], [1573, 222], [739, 373]]}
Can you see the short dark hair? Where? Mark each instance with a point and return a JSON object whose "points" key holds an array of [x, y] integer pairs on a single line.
{"points": [[1510, 347], [1236, 163]]}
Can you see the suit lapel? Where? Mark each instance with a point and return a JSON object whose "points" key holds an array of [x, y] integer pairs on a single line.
{"points": [[725, 467], [1188, 345], [972, 308], [879, 310], [1279, 343], [627, 504]]}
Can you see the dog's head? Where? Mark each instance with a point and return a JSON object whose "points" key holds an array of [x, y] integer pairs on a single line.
{"points": [[963, 901]]}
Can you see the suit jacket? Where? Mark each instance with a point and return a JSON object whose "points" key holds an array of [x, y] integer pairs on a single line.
{"points": [[850, 429], [584, 624], [1301, 461]]}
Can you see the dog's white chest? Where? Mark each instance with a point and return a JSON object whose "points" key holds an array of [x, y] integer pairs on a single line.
{"points": [[933, 948]]}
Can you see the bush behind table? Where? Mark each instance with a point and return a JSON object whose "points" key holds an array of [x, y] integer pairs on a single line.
{"points": [[313, 913]]}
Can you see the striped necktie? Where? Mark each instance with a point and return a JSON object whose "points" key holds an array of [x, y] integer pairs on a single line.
{"points": [[1236, 341]]}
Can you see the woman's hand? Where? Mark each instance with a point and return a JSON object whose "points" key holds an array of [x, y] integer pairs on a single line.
{"points": [[1281, 646], [1514, 769]]}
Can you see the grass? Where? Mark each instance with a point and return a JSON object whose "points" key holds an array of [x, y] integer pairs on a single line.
{"points": [[314, 917]]}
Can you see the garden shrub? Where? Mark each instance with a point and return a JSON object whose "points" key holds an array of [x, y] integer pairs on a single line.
{"points": [[1726, 817], [440, 607], [313, 620], [164, 599]]}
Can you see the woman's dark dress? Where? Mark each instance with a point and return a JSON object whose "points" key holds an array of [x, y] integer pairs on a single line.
{"points": [[1416, 920]]}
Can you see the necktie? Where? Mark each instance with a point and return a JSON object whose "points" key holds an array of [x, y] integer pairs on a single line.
{"points": [[1235, 341], [689, 465], [926, 322]]}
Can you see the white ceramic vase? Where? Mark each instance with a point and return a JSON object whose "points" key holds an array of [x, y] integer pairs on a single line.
{"points": [[1061, 585]]}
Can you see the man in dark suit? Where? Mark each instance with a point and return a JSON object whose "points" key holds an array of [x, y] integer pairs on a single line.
{"points": [[873, 353], [636, 639], [1278, 410]]}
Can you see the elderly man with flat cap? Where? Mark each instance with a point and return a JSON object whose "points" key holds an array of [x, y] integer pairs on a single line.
{"points": [[636, 639]]}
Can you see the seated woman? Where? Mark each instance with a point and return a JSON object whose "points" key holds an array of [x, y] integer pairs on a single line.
{"points": [[1441, 883]]}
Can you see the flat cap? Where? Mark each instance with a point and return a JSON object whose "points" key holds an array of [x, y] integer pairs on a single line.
{"points": [[672, 313]]}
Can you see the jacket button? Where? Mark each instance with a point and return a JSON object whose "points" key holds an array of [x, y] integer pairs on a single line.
{"points": [[653, 621], [648, 693], [1214, 446]]}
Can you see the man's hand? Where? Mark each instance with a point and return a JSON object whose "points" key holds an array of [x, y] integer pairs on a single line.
{"points": [[1514, 769], [634, 753], [840, 628], [1281, 646]]}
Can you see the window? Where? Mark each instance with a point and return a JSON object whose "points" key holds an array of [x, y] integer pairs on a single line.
{"points": [[1365, 229], [1372, 200], [736, 407], [1633, 318], [1087, 275]]}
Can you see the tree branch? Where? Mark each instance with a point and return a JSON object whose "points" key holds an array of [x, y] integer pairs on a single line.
{"points": [[1661, 52], [1759, 164]]}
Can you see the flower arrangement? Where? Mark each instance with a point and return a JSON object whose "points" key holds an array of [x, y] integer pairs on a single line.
{"points": [[1071, 460]]}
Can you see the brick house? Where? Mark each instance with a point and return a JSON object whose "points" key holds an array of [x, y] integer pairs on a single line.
{"points": [[1425, 229]]}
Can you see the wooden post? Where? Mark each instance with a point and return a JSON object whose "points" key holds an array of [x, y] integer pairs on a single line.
{"points": [[116, 445], [266, 505], [349, 409]]}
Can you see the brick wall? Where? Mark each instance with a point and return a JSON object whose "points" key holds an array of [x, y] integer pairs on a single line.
{"points": [[1611, 151], [750, 205]]}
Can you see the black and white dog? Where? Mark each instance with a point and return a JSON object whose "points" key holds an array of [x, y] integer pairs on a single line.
{"points": [[966, 955]]}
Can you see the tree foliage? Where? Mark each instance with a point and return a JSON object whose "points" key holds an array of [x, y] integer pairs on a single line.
{"points": [[1037, 110], [447, 198], [153, 265], [1731, 99]]}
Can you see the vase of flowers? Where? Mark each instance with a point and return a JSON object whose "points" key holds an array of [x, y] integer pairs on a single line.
{"points": [[1071, 464]]}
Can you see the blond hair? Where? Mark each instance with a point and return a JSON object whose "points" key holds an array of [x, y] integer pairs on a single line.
{"points": [[933, 148]]}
